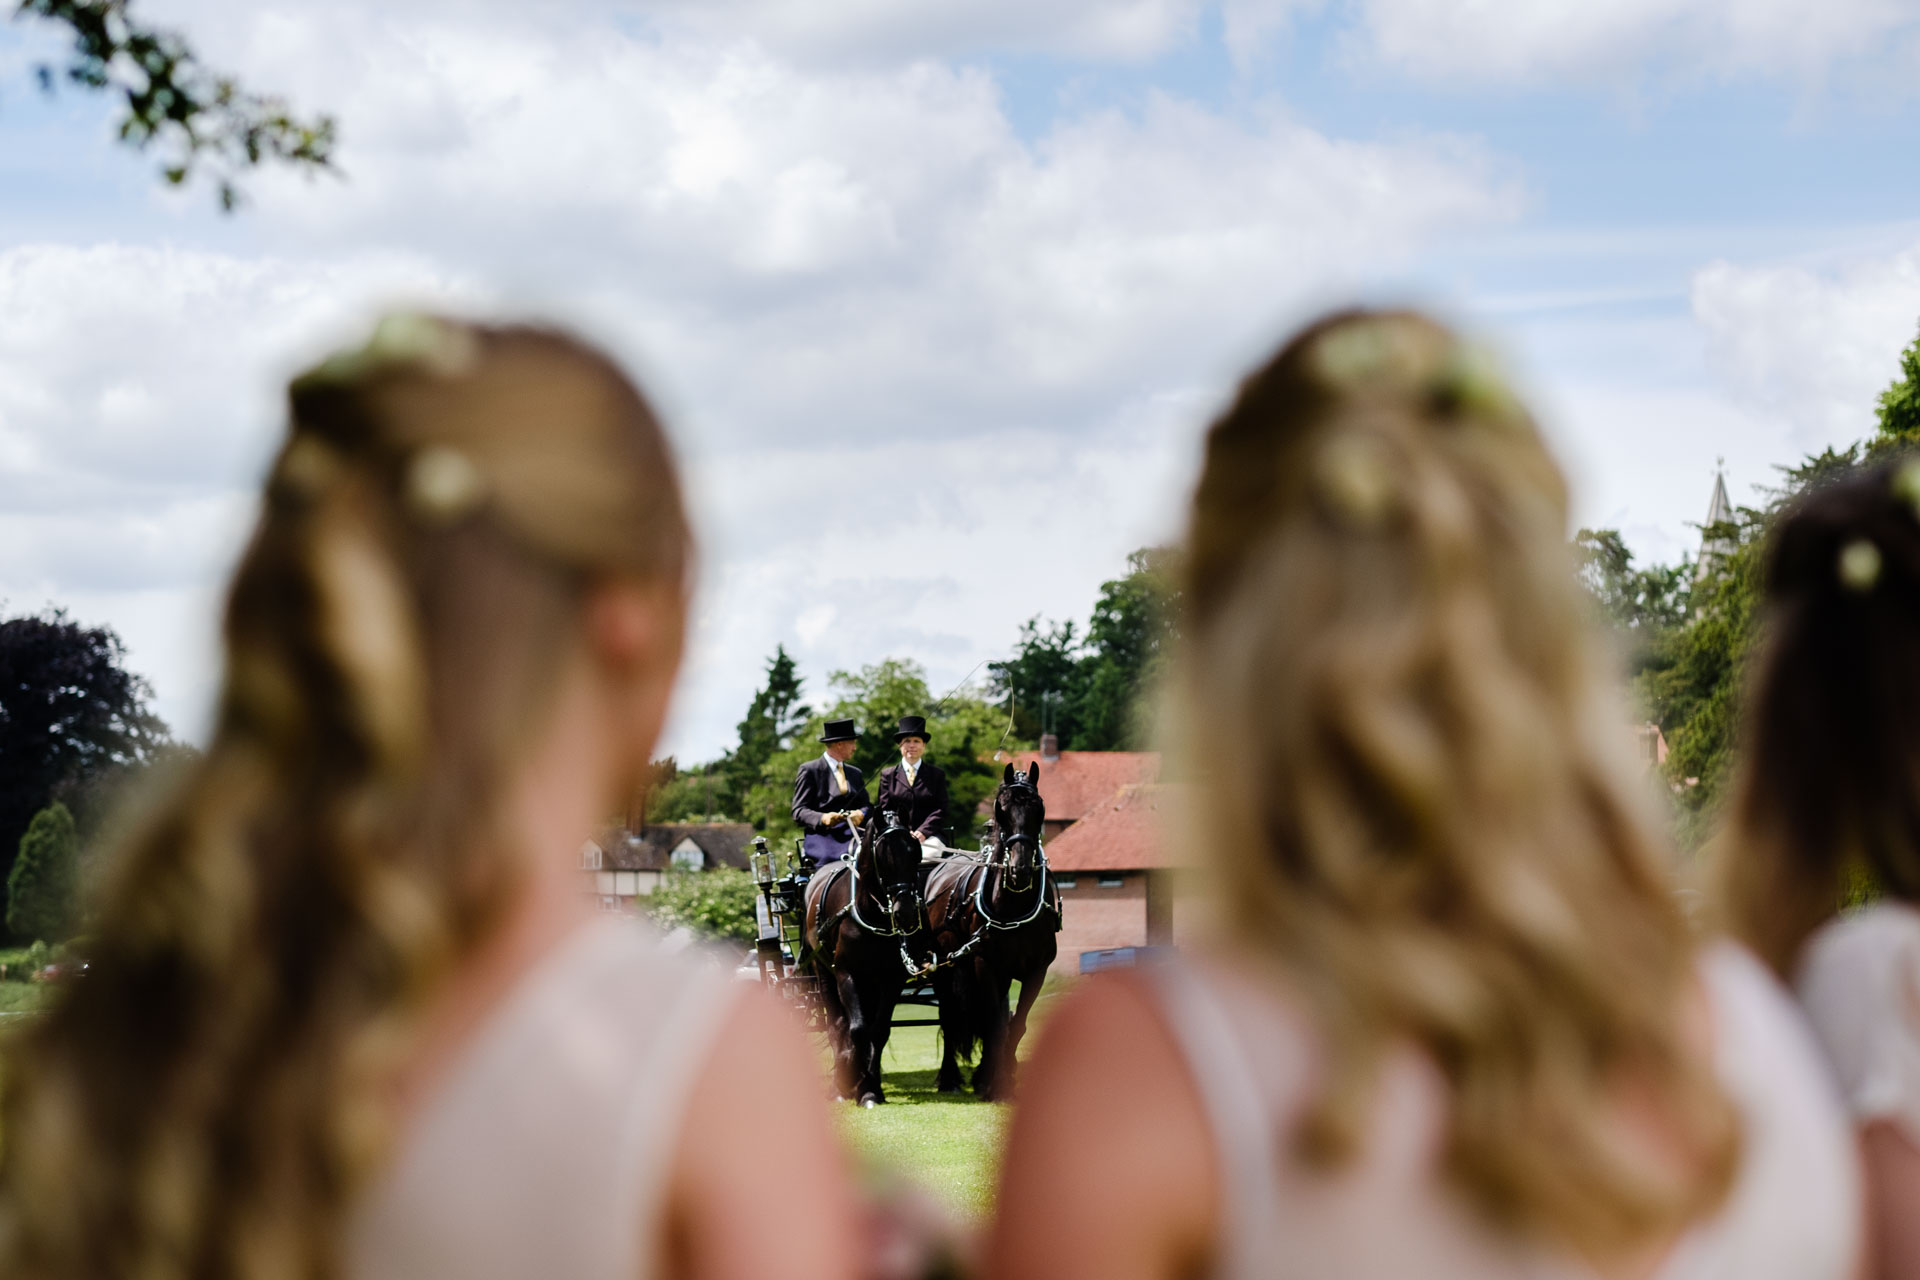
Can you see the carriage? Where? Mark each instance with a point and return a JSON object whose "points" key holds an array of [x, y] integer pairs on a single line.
{"points": [[898, 929]]}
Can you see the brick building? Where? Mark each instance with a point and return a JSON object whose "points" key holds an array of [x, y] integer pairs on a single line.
{"points": [[1115, 874]]}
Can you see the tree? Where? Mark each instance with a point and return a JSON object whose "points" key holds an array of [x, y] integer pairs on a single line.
{"points": [[1129, 638], [69, 711], [1691, 686], [1093, 693], [697, 794], [1041, 681], [773, 717], [41, 887], [1640, 606], [1899, 409], [198, 119], [966, 730]]}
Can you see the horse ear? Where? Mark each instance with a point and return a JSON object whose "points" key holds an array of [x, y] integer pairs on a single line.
{"points": [[1033, 774], [1006, 779]]}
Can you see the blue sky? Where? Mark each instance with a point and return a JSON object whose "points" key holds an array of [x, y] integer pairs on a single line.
{"points": [[997, 261]]}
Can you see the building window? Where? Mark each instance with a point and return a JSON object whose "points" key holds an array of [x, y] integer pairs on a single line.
{"points": [[1112, 882], [688, 856], [1067, 882]]}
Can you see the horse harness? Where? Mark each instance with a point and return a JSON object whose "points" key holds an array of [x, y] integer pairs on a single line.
{"points": [[850, 865], [999, 856]]}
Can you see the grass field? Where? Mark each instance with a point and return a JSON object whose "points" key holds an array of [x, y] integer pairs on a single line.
{"points": [[948, 1143]]}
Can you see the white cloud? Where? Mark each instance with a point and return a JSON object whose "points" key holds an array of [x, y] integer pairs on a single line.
{"points": [[139, 395], [854, 288], [731, 211], [1811, 346], [1538, 41]]}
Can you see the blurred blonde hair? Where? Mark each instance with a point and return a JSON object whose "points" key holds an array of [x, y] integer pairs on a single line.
{"points": [[1415, 801], [206, 1101]]}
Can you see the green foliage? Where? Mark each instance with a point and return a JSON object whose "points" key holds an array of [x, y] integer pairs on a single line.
{"points": [[696, 795], [774, 716], [716, 904], [1640, 604], [965, 729], [201, 121], [1642, 608], [1094, 693], [1692, 683], [1899, 409], [42, 887], [71, 715]]}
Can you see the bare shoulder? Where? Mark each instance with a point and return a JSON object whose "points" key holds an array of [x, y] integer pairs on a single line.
{"points": [[760, 1091], [1110, 1168]]}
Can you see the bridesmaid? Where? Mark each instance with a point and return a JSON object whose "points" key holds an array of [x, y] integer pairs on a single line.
{"points": [[349, 1011], [1828, 804], [1454, 1024]]}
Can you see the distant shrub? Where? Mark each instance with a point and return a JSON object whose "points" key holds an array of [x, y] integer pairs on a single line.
{"points": [[715, 904], [41, 888]]}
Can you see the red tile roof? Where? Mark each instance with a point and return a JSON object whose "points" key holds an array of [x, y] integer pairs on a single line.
{"points": [[1126, 833], [1078, 781]]}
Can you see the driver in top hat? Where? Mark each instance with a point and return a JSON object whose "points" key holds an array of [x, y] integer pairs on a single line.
{"points": [[916, 788], [830, 796]]}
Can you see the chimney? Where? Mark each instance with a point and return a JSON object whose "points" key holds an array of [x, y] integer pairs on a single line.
{"points": [[1049, 746]]}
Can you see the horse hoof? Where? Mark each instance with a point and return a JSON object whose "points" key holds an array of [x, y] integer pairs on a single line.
{"points": [[869, 1102]]}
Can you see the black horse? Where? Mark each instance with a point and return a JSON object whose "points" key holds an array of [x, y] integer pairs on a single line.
{"points": [[997, 918], [858, 918]]}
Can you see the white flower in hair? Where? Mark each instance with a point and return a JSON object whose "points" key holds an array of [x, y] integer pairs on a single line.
{"points": [[1859, 565], [1906, 484], [403, 338], [443, 484]]}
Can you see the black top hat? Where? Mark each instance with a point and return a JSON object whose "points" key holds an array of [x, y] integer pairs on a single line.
{"points": [[913, 727], [839, 731]]}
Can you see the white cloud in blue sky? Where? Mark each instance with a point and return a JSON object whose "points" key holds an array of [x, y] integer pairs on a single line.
{"points": [[929, 291]]}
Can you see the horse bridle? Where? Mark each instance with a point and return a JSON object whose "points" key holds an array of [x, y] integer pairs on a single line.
{"points": [[1000, 856], [893, 901]]}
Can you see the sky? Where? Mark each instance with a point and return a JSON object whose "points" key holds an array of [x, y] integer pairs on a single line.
{"points": [[938, 297]]}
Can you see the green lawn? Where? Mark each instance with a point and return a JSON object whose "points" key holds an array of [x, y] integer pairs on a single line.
{"points": [[949, 1143]]}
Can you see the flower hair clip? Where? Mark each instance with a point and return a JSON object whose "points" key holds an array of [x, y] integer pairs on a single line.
{"points": [[401, 338], [442, 485], [1906, 484], [1454, 378], [1858, 566], [1353, 476]]}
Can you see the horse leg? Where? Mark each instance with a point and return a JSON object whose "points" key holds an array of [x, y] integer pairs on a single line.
{"points": [[993, 1039], [953, 1032], [847, 1057], [878, 1009], [1030, 983]]}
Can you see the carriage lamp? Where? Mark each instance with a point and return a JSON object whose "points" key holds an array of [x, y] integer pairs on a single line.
{"points": [[761, 862]]}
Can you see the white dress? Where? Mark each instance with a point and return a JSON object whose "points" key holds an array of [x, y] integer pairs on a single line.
{"points": [[1793, 1213], [544, 1151], [1859, 982]]}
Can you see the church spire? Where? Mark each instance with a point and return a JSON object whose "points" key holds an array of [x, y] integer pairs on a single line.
{"points": [[1715, 547]]}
